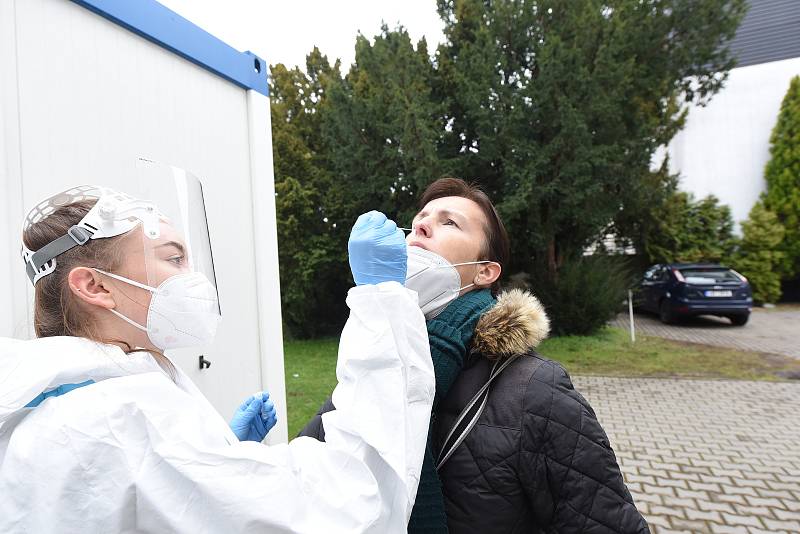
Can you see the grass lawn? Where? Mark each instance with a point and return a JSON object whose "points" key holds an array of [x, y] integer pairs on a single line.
{"points": [[311, 365]]}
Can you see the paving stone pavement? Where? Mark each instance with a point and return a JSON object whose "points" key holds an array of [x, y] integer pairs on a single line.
{"points": [[705, 456], [773, 331]]}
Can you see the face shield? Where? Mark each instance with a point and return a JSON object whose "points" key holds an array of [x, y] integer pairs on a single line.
{"points": [[163, 273], [180, 243]]}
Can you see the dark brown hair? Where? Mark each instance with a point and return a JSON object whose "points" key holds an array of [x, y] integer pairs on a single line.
{"points": [[56, 310], [496, 245]]}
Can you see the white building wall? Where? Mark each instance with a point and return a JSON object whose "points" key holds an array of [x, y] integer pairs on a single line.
{"points": [[724, 147]]}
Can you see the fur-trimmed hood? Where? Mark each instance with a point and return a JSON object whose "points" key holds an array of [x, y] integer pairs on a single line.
{"points": [[515, 325]]}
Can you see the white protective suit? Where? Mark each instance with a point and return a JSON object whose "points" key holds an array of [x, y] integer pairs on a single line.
{"points": [[137, 452]]}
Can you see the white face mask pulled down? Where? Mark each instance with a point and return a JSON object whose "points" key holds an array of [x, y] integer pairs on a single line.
{"points": [[436, 280], [183, 311]]}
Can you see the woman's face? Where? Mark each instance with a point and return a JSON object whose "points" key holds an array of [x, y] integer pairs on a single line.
{"points": [[149, 262], [454, 228]]}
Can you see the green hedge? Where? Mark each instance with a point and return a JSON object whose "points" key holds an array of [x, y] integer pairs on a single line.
{"points": [[758, 254], [586, 294]]}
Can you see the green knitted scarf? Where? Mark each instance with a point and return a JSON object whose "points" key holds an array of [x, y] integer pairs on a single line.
{"points": [[450, 335]]}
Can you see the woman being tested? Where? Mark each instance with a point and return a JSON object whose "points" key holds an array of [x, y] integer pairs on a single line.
{"points": [[513, 447], [100, 432]]}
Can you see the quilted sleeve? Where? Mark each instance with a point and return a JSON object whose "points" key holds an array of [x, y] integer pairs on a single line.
{"points": [[314, 428], [567, 467]]}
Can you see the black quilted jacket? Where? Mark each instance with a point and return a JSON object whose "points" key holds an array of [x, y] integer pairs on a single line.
{"points": [[537, 461]]}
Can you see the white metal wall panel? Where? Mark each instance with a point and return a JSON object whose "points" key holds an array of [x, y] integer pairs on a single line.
{"points": [[724, 147], [92, 96], [268, 287], [14, 313]]}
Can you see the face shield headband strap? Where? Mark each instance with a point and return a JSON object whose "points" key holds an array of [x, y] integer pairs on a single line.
{"points": [[109, 217], [75, 236]]}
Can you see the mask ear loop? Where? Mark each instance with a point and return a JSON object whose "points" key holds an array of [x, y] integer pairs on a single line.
{"points": [[128, 281], [469, 263], [128, 320], [133, 283], [446, 266]]}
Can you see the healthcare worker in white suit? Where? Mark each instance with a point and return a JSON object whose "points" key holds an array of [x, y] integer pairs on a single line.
{"points": [[100, 432]]}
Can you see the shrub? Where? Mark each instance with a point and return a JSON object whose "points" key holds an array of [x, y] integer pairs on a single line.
{"points": [[587, 293], [689, 230], [758, 256]]}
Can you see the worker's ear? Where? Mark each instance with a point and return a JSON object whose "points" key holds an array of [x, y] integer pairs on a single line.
{"points": [[88, 286]]}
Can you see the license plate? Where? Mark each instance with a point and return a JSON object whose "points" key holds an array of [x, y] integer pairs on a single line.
{"points": [[712, 293]]}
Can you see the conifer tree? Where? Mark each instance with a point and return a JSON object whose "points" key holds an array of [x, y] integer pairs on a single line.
{"points": [[381, 128], [782, 196], [311, 255], [557, 107]]}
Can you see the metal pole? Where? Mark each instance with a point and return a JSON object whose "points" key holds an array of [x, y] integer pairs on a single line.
{"points": [[630, 312]]}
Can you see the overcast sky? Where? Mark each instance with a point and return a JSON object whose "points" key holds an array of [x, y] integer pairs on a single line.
{"points": [[285, 31]]}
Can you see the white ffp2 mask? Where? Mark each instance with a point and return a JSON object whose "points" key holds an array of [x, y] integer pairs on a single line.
{"points": [[436, 280], [183, 311]]}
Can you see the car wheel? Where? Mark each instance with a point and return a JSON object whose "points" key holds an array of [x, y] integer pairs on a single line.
{"points": [[739, 320], [665, 312]]}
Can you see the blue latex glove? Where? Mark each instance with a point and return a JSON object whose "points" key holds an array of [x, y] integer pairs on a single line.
{"points": [[377, 249], [254, 418]]}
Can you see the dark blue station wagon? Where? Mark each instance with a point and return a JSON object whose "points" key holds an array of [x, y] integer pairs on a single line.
{"points": [[679, 290]]}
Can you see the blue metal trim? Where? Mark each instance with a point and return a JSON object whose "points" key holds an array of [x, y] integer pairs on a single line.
{"points": [[169, 30]]}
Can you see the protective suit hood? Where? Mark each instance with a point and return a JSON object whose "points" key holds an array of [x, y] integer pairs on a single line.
{"points": [[28, 368]]}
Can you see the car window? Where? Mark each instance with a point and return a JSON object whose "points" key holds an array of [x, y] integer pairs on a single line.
{"points": [[663, 275], [709, 276], [650, 274]]}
